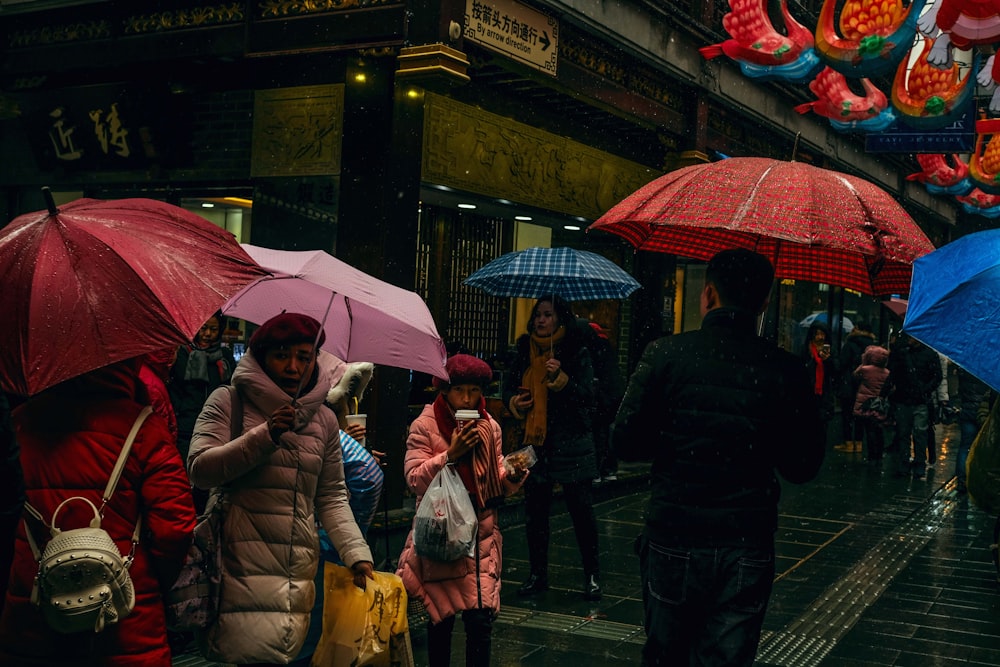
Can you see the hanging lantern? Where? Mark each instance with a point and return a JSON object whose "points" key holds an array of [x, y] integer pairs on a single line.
{"points": [[984, 165], [874, 35], [927, 97], [846, 110], [939, 177], [761, 51]]}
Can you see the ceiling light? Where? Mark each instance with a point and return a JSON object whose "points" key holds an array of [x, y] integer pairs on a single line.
{"points": [[207, 204], [522, 217], [360, 77], [572, 228], [468, 206]]}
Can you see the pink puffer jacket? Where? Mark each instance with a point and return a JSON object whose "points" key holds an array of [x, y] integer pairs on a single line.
{"points": [[872, 375], [468, 583]]}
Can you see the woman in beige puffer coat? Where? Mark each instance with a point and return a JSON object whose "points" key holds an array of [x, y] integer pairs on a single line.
{"points": [[282, 473]]}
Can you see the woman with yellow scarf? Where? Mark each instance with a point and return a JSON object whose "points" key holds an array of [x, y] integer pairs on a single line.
{"points": [[556, 401]]}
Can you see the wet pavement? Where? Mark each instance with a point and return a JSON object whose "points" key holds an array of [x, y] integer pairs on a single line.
{"points": [[872, 569]]}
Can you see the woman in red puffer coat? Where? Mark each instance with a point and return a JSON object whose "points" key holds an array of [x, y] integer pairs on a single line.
{"points": [[70, 437]]}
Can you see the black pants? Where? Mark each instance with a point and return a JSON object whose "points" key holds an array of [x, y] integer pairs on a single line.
{"points": [[703, 606], [478, 631], [580, 503]]}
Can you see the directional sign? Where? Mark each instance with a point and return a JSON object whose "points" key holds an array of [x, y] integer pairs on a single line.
{"points": [[515, 30], [959, 137]]}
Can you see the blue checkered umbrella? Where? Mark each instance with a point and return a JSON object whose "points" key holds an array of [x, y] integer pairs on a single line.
{"points": [[575, 275]]}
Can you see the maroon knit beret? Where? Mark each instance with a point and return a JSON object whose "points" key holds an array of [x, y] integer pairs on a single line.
{"points": [[465, 369], [284, 330]]}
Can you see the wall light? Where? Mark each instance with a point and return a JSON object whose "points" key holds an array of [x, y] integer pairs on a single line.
{"points": [[360, 77], [572, 228], [468, 206], [523, 218], [207, 204]]}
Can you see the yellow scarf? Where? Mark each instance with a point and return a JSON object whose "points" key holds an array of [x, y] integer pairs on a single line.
{"points": [[536, 378]]}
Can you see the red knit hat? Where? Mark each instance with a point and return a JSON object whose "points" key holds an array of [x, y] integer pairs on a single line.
{"points": [[465, 369], [285, 330]]}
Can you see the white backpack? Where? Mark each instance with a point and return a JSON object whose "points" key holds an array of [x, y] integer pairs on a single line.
{"points": [[83, 581]]}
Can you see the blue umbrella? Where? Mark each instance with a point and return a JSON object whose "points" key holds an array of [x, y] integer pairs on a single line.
{"points": [[954, 304], [575, 275]]}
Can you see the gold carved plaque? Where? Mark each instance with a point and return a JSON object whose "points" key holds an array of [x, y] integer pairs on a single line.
{"points": [[297, 131], [477, 151]]}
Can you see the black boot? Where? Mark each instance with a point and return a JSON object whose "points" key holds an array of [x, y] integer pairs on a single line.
{"points": [[591, 588], [536, 583]]}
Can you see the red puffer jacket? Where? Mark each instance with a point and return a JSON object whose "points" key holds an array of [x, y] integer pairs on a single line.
{"points": [[70, 438]]}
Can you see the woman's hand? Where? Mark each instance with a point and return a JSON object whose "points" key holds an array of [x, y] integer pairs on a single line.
{"points": [[552, 367], [463, 439], [523, 402], [362, 570], [280, 421]]}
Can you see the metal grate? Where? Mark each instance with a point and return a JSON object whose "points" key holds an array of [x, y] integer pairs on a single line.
{"points": [[450, 247]]}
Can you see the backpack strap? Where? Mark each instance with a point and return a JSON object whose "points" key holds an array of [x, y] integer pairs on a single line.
{"points": [[109, 490], [120, 463]]}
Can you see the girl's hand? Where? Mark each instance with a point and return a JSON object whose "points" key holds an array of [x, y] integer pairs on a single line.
{"points": [[462, 441], [362, 570]]}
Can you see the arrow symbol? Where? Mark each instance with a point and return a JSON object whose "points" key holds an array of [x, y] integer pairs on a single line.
{"points": [[544, 40]]}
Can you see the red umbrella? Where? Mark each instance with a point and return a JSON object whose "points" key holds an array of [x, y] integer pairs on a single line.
{"points": [[814, 224], [97, 282]]}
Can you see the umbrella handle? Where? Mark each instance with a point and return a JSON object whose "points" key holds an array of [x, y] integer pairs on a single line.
{"points": [[319, 332]]}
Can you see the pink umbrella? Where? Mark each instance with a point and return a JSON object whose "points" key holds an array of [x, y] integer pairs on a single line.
{"points": [[897, 306], [366, 319]]}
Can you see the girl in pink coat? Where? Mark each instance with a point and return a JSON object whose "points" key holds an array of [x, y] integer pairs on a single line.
{"points": [[470, 585], [871, 376]]}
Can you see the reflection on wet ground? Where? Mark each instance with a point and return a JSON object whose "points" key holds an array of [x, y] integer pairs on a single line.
{"points": [[872, 570]]}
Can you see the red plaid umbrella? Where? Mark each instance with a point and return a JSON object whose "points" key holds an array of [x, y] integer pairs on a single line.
{"points": [[814, 224]]}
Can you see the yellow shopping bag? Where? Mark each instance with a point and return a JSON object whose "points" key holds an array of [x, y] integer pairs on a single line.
{"points": [[363, 628]]}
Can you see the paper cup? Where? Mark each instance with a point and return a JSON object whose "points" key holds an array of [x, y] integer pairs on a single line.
{"points": [[358, 419], [463, 416]]}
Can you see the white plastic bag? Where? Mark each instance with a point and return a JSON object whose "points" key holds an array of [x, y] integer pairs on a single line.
{"points": [[445, 525]]}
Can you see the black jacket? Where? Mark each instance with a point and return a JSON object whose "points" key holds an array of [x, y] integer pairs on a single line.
{"points": [[568, 453], [718, 410], [914, 374]]}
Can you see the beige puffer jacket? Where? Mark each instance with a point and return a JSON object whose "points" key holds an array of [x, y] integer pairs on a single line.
{"points": [[270, 545]]}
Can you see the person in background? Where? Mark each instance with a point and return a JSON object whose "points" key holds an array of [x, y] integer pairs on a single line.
{"points": [[284, 471], [871, 375], [199, 368], [608, 390], [70, 437], [718, 411], [972, 392], [821, 368], [11, 494], [364, 477], [470, 585], [914, 376], [847, 361], [935, 410], [554, 366]]}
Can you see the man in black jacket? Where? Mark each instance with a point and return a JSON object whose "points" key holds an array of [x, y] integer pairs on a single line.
{"points": [[717, 410], [914, 375]]}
